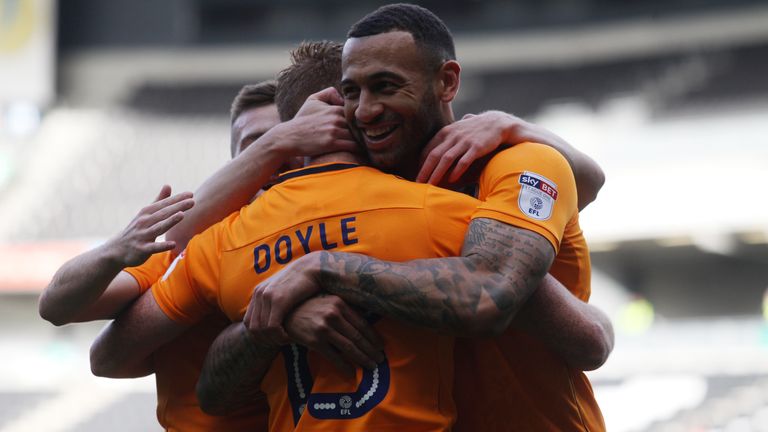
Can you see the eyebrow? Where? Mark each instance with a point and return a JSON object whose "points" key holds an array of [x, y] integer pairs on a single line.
{"points": [[377, 76], [252, 136]]}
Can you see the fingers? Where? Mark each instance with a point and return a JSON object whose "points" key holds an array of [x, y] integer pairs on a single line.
{"points": [[442, 167], [430, 156], [329, 95], [333, 356], [273, 330], [164, 225], [354, 346], [165, 202], [429, 164], [461, 167], [347, 346], [345, 145], [359, 333], [264, 318], [157, 247], [165, 192], [250, 312], [170, 211], [366, 329]]}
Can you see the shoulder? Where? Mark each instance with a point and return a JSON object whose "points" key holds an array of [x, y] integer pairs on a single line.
{"points": [[528, 155]]}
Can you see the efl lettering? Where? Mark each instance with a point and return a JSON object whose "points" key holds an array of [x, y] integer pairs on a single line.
{"points": [[288, 252], [304, 239], [256, 258], [323, 240], [347, 231]]}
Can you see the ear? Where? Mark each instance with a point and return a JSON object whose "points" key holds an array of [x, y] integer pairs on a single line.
{"points": [[448, 80]]}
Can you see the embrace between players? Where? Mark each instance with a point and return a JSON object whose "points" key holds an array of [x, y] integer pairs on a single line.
{"points": [[346, 298]]}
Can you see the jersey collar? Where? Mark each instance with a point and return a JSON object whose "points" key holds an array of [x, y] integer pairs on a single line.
{"points": [[315, 169]]}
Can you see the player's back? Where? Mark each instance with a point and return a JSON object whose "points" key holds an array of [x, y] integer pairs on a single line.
{"points": [[353, 209]]}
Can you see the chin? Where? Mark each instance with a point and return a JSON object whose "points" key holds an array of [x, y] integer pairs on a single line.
{"points": [[386, 163]]}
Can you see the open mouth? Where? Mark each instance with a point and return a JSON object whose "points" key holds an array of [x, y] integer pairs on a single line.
{"points": [[378, 135]]}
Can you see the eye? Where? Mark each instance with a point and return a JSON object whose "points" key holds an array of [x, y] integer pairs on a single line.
{"points": [[386, 87], [350, 92]]}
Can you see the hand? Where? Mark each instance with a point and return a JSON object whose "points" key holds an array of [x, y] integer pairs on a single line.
{"points": [[275, 297], [137, 242], [328, 325], [466, 140], [318, 128]]}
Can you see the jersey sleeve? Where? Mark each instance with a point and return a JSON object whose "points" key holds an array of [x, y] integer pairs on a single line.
{"points": [[189, 289], [530, 186], [152, 269], [448, 215]]}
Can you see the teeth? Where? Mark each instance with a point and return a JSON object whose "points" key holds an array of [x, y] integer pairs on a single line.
{"points": [[379, 131]]}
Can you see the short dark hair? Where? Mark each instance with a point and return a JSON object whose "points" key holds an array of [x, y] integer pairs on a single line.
{"points": [[249, 97], [314, 67], [429, 32], [253, 96]]}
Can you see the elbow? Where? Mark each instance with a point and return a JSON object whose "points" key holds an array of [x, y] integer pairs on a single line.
{"points": [[598, 180], [598, 348], [103, 364], [100, 367], [49, 313]]}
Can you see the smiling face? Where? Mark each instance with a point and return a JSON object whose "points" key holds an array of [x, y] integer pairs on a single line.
{"points": [[390, 99]]}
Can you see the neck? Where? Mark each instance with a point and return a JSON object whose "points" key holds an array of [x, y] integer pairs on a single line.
{"points": [[340, 157], [446, 110]]}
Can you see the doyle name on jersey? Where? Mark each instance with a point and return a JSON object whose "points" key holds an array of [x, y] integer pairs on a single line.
{"points": [[282, 249]]}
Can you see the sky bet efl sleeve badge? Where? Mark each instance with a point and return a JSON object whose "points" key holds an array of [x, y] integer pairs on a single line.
{"points": [[537, 196]]}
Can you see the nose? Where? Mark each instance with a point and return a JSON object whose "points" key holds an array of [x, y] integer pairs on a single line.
{"points": [[368, 108]]}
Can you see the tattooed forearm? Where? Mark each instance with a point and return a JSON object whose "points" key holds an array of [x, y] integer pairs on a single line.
{"points": [[478, 292], [233, 370]]}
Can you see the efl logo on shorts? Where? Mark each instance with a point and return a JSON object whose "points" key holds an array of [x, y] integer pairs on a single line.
{"points": [[537, 196]]}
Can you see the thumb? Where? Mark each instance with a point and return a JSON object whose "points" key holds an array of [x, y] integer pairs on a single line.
{"points": [[330, 96]]}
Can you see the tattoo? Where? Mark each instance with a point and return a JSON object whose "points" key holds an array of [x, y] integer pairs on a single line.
{"points": [[498, 260], [233, 370]]}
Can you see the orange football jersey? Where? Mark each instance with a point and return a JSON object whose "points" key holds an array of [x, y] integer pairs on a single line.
{"points": [[178, 365], [339, 207], [513, 382]]}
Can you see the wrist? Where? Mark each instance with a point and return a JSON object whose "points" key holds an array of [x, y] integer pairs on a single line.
{"points": [[313, 267], [280, 142], [257, 344], [113, 254], [514, 129]]}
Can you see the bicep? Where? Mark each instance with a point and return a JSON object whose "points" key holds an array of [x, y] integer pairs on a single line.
{"points": [[133, 337], [516, 258]]}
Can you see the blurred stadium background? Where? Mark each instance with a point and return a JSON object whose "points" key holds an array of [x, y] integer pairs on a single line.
{"points": [[103, 102]]}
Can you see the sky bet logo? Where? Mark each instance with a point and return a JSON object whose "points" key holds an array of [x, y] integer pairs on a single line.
{"points": [[537, 196], [282, 249], [537, 182]]}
